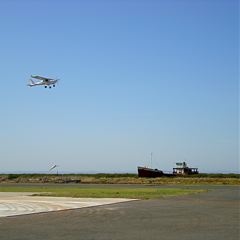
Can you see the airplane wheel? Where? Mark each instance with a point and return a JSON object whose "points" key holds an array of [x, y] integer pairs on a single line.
{"points": [[49, 86], [45, 86], [53, 85]]}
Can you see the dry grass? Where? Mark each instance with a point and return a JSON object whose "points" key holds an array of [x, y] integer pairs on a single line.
{"points": [[219, 179]]}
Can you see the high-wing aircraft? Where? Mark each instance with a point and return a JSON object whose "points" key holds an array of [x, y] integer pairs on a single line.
{"points": [[54, 166], [42, 81]]}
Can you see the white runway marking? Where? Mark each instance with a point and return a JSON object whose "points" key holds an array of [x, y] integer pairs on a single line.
{"points": [[13, 204]]}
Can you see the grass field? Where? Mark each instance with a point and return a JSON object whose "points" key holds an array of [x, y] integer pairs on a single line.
{"points": [[102, 192]]}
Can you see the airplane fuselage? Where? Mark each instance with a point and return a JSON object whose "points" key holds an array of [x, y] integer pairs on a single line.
{"points": [[46, 83]]}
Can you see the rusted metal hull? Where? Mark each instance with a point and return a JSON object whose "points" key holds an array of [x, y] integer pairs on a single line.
{"points": [[149, 172]]}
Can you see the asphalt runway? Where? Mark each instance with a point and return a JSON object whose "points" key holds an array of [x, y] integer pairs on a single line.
{"points": [[213, 215]]}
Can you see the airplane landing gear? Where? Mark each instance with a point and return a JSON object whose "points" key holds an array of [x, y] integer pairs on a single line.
{"points": [[53, 85], [49, 86], [45, 86]]}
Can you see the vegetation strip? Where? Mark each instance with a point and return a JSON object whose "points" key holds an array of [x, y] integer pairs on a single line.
{"points": [[133, 193], [101, 178]]}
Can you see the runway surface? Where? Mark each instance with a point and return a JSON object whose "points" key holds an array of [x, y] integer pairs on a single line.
{"points": [[213, 215]]}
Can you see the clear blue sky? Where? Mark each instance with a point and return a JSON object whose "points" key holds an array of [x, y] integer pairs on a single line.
{"points": [[137, 76]]}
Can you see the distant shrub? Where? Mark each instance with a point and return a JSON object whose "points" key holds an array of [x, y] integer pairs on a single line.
{"points": [[13, 176], [216, 175]]}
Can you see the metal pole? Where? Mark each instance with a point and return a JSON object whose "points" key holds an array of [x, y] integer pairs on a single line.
{"points": [[151, 159]]}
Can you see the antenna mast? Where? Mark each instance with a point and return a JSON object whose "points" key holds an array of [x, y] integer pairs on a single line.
{"points": [[151, 159]]}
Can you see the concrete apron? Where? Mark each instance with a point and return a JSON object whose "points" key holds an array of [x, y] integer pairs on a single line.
{"points": [[13, 204]]}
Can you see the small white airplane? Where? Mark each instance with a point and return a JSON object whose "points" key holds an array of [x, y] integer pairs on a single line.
{"points": [[43, 81], [54, 166]]}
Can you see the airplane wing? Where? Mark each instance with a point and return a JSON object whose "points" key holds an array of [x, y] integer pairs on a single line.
{"points": [[41, 78]]}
